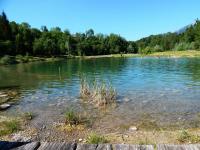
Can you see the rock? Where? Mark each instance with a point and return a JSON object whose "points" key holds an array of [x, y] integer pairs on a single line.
{"points": [[43, 127], [126, 136], [4, 106], [126, 100], [57, 124], [84, 141], [133, 128], [80, 140], [3, 95]]}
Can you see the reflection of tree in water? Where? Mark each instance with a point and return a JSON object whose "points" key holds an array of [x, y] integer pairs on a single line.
{"points": [[30, 75], [193, 68]]}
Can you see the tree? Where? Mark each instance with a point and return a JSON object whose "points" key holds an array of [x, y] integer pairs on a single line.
{"points": [[44, 29], [116, 44], [4, 28], [132, 47], [89, 33]]}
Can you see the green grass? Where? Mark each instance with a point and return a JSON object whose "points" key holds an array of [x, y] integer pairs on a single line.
{"points": [[94, 138], [188, 53], [8, 127], [185, 137], [72, 118]]}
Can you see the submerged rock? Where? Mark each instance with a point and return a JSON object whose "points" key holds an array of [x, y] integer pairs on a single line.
{"points": [[8, 97], [80, 140], [3, 95], [4, 106], [133, 128]]}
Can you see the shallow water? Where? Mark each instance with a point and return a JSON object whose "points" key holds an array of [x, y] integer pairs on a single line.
{"points": [[164, 90]]}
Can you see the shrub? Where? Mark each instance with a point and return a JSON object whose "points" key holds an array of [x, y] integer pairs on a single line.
{"points": [[94, 138], [7, 60], [22, 59], [146, 50], [157, 48], [184, 46]]}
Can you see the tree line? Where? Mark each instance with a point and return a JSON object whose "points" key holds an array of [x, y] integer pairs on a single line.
{"points": [[21, 39], [189, 39]]}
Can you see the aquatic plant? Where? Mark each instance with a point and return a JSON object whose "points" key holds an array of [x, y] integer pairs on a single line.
{"points": [[99, 93], [94, 138], [28, 115]]}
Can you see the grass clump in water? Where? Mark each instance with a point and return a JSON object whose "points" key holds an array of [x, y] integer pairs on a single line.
{"points": [[98, 93], [94, 138], [186, 137], [8, 127], [28, 116]]}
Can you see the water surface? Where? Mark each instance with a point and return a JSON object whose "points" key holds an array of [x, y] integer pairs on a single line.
{"points": [[164, 90]]}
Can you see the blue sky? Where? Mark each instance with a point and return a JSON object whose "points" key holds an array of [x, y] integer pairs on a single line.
{"points": [[132, 19]]}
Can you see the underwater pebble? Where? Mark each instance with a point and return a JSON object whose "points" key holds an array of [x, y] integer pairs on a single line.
{"points": [[126, 136], [126, 100], [4, 106], [80, 140], [3, 95], [133, 128]]}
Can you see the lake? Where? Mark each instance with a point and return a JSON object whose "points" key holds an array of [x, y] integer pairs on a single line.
{"points": [[163, 91]]}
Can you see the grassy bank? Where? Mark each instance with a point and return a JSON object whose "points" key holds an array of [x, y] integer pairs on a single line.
{"points": [[190, 136], [188, 53], [111, 55]]}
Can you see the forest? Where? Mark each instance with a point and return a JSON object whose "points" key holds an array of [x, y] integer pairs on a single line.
{"points": [[188, 39], [21, 39]]}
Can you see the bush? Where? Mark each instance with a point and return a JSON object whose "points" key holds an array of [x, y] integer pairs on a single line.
{"points": [[184, 46], [157, 48], [7, 60], [146, 50], [94, 138], [22, 59]]}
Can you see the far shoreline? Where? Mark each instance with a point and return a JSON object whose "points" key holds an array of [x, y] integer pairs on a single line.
{"points": [[27, 59], [173, 54]]}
